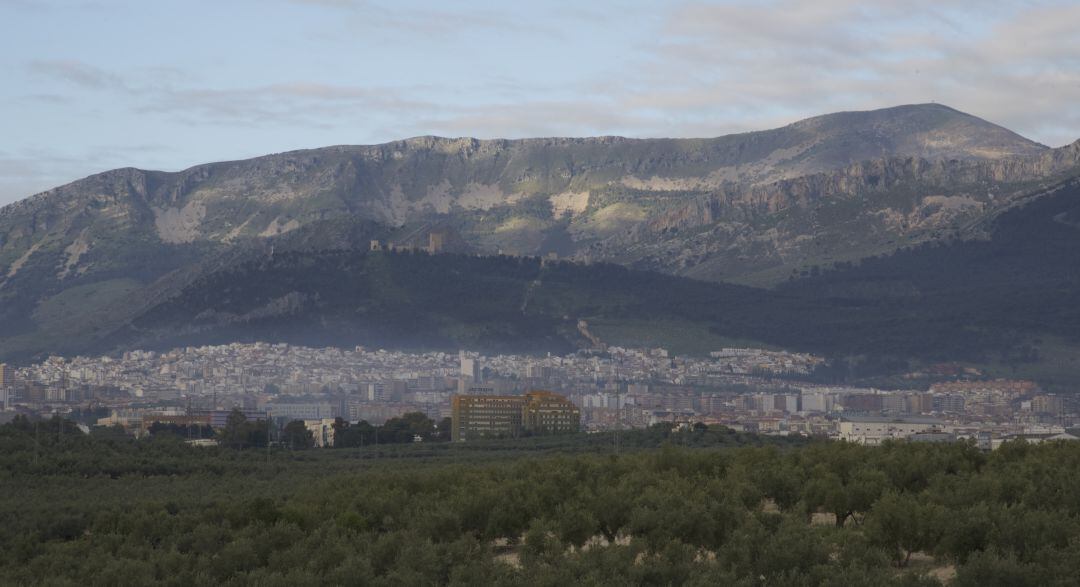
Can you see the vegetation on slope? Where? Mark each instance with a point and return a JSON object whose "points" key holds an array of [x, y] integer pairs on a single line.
{"points": [[992, 300], [1005, 297]]}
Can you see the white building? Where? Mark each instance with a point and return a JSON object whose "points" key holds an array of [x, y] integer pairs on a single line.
{"points": [[817, 402], [874, 430], [470, 368], [322, 431]]}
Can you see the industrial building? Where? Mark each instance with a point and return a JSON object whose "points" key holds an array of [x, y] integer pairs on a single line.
{"points": [[874, 430]]}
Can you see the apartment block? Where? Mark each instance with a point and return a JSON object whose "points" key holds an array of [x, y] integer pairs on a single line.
{"points": [[494, 416]]}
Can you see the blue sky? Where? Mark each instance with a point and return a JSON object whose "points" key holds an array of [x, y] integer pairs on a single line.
{"points": [[93, 85]]}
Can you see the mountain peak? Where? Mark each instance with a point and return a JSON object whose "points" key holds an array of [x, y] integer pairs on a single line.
{"points": [[929, 130]]}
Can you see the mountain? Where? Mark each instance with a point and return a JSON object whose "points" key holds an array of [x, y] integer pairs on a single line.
{"points": [[1008, 303], [753, 208]]}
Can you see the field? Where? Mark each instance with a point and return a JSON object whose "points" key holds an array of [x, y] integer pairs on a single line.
{"points": [[697, 506]]}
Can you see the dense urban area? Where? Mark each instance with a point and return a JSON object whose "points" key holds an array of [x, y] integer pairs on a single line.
{"points": [[744, 389]]}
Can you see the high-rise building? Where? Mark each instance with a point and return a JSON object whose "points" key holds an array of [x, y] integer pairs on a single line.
{"points": [[535, 371], [546, 412], [494, 416], [920, 403], [817, 401], [470, 368], [7, 376], [436, 242], [1048, 404], [894, 403], [862, 402], [949, 402]]}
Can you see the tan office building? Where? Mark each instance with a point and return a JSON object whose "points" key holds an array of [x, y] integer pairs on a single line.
{"points": [[511, 416]]}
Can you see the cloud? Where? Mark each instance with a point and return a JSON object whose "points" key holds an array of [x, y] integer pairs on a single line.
{"points": [[711, 68], [439, 22], [292, 103], [174, 92], [730, 66], [535, 119], [77, 73], [1012, 64]]}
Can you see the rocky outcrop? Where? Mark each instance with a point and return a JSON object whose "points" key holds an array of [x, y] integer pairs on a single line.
{"points": [[862, 180]]}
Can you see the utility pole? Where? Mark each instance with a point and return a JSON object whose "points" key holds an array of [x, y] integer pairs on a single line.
{"points": [[618, 421]]}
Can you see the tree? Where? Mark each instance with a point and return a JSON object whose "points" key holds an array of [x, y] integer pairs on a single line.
{"points": [[406, 428], [296, 436], [239, 432], [828, 491], [444, 430], [904, 525], [348, 435]]}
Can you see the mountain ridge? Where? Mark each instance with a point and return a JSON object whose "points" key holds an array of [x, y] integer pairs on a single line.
{"points": [[750, 208], [271, 194], [469, 145]]}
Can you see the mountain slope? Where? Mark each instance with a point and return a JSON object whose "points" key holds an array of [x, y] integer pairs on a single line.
{"points": [[396, 182], [764, 233], [1011, 299], [737, 208], [406, 300]]}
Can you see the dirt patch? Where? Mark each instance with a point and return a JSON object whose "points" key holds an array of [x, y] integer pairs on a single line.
{"points": [[275, 227], [22, 260], [479, 196], [179, 225], [73, 253], [572, 203]]}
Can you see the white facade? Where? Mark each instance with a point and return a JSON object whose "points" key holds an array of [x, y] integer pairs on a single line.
{"points": [[817, 402], [322, 431], [875, 430]]}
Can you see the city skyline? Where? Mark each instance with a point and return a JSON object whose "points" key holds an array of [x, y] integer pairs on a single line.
{"points": [[746, 389]]}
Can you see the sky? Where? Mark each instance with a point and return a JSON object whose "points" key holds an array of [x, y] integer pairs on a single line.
{"points": [[94, 85]]}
